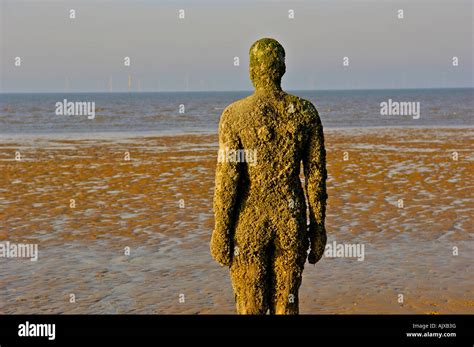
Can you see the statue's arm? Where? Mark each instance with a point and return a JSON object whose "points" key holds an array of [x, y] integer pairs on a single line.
{"points": [[225, 194], [314, 162]]}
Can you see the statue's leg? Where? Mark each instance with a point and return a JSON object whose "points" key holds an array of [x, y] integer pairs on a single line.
{"points": [[286, 280], [288, 257], [249, 275]]}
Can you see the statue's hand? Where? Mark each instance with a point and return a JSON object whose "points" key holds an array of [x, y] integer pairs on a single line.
{"points": [[318, 245], [221, 248]]}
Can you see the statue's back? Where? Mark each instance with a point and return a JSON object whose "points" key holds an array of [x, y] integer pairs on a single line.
{"points": [[261, 229]]}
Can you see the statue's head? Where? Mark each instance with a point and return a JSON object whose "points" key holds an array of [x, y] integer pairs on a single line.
{"points": [[267, 64]]}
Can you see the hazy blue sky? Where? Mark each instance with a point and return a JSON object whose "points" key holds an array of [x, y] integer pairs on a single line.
{"points": [[197, 53]]}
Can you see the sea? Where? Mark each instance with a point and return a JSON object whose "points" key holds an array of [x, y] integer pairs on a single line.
{"points": [[199, 112]]}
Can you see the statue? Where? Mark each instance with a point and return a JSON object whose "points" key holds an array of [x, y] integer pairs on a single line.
{"points": [[261, 223]]}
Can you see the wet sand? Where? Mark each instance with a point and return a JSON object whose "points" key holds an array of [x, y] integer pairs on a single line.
{"points": [[136, 204]]}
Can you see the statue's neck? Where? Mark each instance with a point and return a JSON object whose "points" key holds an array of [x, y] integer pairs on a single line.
{"points": [[268, 88]]}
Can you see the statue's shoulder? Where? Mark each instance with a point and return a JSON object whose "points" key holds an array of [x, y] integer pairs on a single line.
{"points": [[305, 108], [237, 108], [233, 115]]}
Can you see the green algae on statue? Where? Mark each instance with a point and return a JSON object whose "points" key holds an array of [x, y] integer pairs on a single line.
{"points": [[261, 229]]}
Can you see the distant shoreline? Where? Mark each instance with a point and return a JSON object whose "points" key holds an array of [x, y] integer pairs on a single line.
{"points": [[234, 91], [143, 134]]}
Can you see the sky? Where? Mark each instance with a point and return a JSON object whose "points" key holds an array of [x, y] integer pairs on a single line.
{"points": [[197, 53]]}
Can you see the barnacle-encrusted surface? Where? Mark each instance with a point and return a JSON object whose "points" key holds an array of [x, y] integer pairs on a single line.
{"points": [[260, 206]]}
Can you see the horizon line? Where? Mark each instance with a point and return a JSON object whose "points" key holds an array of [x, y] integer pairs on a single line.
{"points": [[227, 91]]}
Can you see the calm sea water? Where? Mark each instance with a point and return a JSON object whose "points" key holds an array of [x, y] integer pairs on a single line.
{"points": [[159, 112]]}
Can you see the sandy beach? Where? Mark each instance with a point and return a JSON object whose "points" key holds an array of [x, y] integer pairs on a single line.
{"points": [[159, 204]]}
